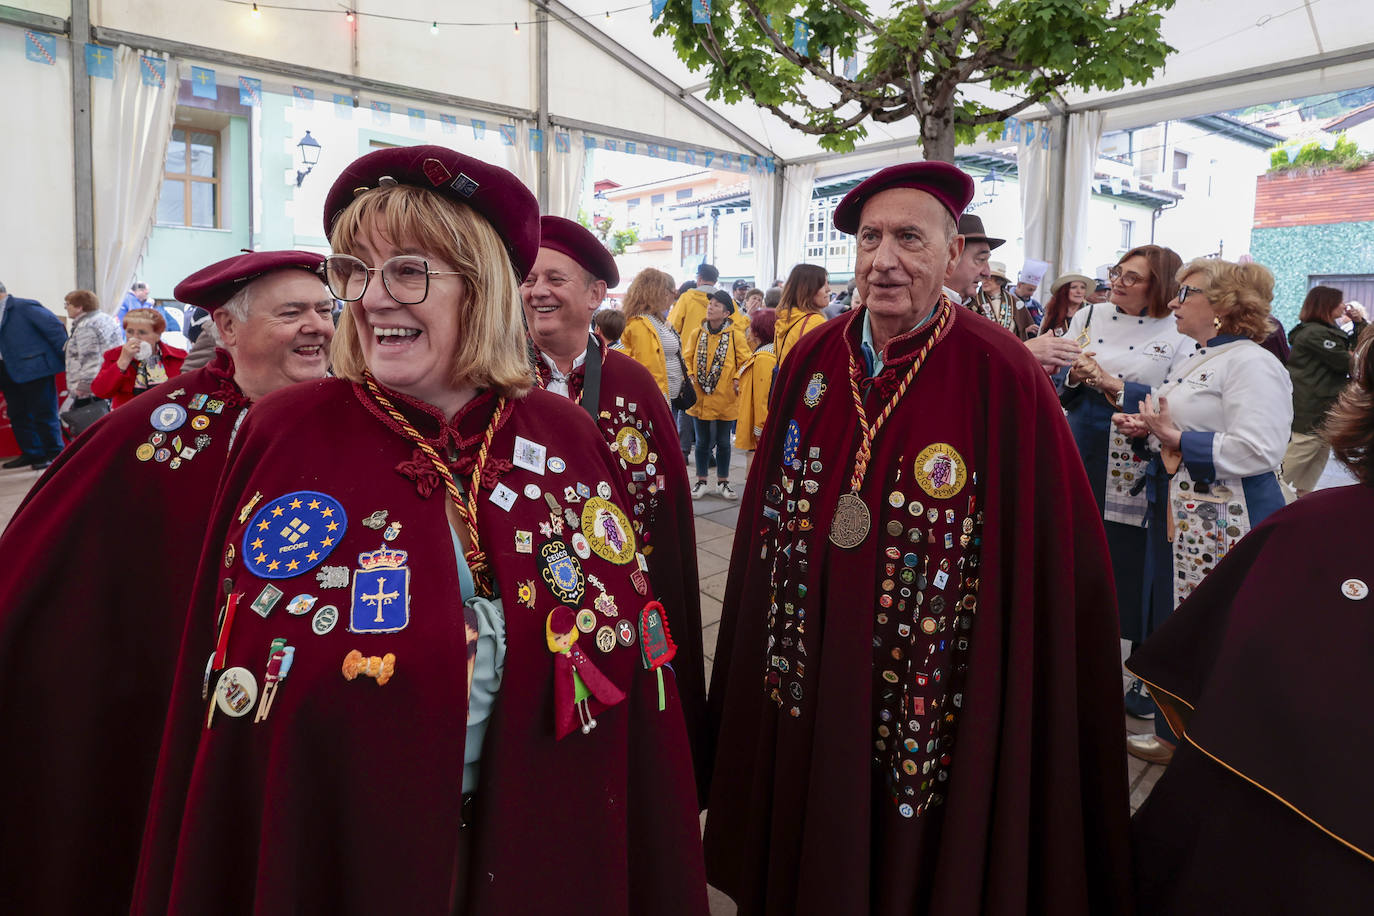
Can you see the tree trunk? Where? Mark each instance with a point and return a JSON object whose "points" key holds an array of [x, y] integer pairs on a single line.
{"points": [[937, 138]]}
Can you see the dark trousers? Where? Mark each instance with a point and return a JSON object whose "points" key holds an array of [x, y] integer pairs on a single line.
{"points": [[32, 408], [686, 430], [713, 434]]}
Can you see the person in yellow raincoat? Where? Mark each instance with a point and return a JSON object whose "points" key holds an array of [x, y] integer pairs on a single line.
{"points": [[754, 381], [805, 293], [713, 351]]}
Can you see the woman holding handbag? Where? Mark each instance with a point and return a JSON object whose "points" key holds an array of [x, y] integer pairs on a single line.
{"points": [[1130, 346], [92, 333], [1218, 428]]}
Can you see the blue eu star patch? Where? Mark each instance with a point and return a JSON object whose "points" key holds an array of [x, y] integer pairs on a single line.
{"points": [[293, 534], [790, 443]]}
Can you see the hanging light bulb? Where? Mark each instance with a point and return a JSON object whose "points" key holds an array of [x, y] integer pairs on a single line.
{"points": [[349, 15], [517, 28], [608, 15], [434, 28], [255, 12]]}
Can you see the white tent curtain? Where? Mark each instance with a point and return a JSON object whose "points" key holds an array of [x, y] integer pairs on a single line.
{"points": [[1033, 178], [763, 205], [797, 184], [567, 177], [522, 161], [130, 126], [1085, 132]]}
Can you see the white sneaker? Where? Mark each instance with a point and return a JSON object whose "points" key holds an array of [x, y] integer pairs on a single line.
{"points": [[725, 491], [699, 489]]}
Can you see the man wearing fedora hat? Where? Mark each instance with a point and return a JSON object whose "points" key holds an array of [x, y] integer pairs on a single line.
{"points": [[94, 596], [967, 274]]}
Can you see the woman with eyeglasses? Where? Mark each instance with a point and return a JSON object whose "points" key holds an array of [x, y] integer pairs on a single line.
{"points": [[425, 670], [1217, 428], [1130, 344]]}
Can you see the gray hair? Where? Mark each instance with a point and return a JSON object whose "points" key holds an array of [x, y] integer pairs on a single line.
{"points": [[138, 286], [240, 303], [2, 288]]}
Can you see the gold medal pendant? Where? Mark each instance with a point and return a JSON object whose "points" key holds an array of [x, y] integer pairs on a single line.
{"points": [[850, 525]]}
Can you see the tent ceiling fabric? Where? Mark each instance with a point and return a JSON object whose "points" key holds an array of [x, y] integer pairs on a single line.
{"points": [[1224, 49]]}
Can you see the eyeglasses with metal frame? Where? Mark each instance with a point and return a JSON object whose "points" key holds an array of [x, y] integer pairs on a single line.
{"points": [[405, 277]]}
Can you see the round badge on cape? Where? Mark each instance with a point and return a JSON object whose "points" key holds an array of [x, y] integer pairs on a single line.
{"points": [[940, 471], [236, 692], [293, 534], [1355, 589], [324, 620], [168, 417], [632, 445], [607, 530]]}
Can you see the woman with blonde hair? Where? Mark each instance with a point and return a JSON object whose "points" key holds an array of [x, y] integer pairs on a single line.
{"points": [[426, 493], [1217, 429], [648, 337], [804, 295]]}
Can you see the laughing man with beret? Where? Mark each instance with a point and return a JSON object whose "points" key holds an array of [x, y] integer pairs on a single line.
{"points": [[100, 560], [560, 294]]}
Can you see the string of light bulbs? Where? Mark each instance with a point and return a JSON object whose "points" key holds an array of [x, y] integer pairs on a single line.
{"points": [[350, 14]]}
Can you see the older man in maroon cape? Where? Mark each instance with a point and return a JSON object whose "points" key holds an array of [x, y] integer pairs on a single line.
{"points": [[916, 687], [99, 564], [561, 292]]}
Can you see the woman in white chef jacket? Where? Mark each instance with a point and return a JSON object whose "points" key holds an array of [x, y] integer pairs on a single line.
{"points": [[1218, 428], [1130, 345]]}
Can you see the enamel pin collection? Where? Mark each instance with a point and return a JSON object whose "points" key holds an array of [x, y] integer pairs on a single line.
{"points": [[293, 535]]}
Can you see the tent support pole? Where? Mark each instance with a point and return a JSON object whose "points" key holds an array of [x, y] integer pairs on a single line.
{"points": [[84, 212], [542, 109]]}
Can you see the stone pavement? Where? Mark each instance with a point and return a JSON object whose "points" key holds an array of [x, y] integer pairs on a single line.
{"points": [[715, 528]]}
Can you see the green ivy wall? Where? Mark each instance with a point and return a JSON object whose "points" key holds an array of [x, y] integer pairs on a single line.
{"points": [[1294, 253]]}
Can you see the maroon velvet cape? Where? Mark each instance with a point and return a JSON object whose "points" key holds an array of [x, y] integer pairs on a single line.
{"points": [[663, 519], [1265, 669], [347, 798], [1033, 810], [98, 567]]}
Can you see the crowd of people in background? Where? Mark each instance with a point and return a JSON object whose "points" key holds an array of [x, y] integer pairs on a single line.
{"points": [[475, 343]]}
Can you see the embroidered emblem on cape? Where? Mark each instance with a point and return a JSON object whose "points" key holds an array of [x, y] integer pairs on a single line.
{"points": [[790, 443], [815, 390], [608, 532], [940, 471], [293, 534], [656, 646], [631, 445], [561, 572], [1355, 589], [381, 592]]}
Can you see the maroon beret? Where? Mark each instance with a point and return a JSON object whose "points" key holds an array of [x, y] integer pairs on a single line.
{"points": [[946, 183], [493, 192], [574, 240], [210, 287]]}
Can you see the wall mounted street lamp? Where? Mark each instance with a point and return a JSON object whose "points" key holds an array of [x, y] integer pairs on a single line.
{"points": [[992, 181], [310, 154]]}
